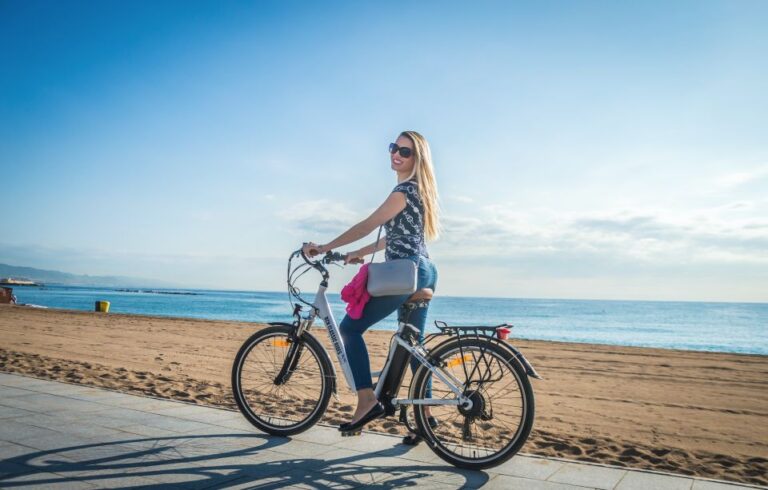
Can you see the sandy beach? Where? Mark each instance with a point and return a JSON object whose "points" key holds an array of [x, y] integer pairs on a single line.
{"points": [[693, 413]]}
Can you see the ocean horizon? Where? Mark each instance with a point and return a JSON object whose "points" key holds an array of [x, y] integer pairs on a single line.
{"points": [[689, 325]]}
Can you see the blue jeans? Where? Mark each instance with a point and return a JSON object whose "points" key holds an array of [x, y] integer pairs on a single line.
{"points": [[375, 310]]}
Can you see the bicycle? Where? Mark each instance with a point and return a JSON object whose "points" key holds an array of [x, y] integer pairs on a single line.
{"points": [[482, 399]]}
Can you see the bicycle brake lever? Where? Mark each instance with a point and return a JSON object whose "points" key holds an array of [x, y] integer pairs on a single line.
{"points": [[332, 257]]}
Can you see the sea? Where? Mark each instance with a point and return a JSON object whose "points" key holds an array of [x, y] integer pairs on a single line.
{"points": [[703, 326]]}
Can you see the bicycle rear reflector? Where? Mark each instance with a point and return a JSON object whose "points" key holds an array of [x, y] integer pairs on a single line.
{"points": [[459, 360]]}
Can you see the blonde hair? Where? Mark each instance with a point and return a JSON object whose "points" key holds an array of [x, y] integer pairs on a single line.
{"points": [[425, 178]]}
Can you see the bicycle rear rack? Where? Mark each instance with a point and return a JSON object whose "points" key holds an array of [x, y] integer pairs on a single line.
{"points": [[474, 330], [479, 331], [482, 366]]}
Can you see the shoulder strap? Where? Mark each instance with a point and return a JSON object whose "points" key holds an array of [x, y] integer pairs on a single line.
{"points": [[376, 245]]}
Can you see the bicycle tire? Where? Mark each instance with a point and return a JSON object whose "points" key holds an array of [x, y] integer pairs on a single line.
{"points": [[432, 436], [256, 406]]}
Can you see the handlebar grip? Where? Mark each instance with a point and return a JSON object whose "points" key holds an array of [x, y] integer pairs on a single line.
{"points": [[327, 258]]}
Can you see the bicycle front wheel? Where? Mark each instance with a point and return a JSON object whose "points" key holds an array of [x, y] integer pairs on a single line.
{"points": [[282, 387], [501, 417]]}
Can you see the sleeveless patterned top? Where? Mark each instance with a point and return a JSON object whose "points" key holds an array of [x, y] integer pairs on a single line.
{"points": [[405, 232]]}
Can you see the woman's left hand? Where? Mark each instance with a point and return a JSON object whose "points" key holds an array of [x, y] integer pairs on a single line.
{"points": [[311, 249]]}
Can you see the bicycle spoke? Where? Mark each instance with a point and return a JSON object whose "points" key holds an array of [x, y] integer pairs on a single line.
{"points": [[463, 433], [285, 404]]}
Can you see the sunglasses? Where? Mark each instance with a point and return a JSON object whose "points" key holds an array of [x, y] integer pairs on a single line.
{"points": [[404, 151]]}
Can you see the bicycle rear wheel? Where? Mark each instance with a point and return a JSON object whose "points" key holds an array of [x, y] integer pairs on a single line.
{"points": [[501, 418], [282, 387]]}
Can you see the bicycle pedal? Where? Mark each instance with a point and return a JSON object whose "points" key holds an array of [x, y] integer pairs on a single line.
{"points": [[351, 433]]}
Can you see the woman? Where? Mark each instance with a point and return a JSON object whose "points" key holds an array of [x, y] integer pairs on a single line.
{"points": [[409, 216]]}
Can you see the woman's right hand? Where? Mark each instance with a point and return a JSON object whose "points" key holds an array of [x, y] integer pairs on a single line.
{"points": [[354, 258]]}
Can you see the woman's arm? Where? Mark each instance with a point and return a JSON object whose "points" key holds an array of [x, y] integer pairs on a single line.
{"points": [[369, 249], [388, 210]]}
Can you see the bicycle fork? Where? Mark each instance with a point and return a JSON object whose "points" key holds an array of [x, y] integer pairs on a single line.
{"points": [[295, 349], [290, 362]]}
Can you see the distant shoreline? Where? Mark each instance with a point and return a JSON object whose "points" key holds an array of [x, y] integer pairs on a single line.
{"points": [[318, 325], [152, 291], [160, 290]]}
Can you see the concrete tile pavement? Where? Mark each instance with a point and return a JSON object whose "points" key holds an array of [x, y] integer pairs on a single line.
{"points": [[56, 435]]}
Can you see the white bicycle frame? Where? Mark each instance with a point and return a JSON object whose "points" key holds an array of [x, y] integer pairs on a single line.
{"points": [[323, 308]]}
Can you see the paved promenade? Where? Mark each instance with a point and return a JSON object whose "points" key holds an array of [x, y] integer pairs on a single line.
{"points": [[56, 435]]}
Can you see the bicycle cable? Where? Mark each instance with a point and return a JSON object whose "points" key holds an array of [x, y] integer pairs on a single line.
{"points": [[293, 291]]}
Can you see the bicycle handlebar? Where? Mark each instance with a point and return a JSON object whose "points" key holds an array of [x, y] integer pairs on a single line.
{"points": [[328, 258], [317, 264]]}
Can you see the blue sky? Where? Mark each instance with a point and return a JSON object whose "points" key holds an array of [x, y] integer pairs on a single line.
{"points": [[582, 149]]}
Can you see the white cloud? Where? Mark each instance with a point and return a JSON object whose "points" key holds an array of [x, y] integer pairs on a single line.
{"points": [[738, 206], [501, 250], [321, 216], [736, 179], [463, 199], [653, 237]]}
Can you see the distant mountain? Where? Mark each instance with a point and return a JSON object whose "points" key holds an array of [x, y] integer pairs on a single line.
{"points": [[65, 278]]}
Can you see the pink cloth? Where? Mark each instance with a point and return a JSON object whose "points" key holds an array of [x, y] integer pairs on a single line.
{"points": [[356, 293]]}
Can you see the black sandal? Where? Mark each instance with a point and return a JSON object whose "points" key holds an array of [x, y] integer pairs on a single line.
{"points": [[413, 439], [349, 428]]}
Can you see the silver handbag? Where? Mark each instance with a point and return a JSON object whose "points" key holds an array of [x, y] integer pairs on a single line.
{"points": [[393, 277]]}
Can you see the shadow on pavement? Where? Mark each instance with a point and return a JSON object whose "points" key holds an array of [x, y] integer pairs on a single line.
{"points": [[216, 461]]}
